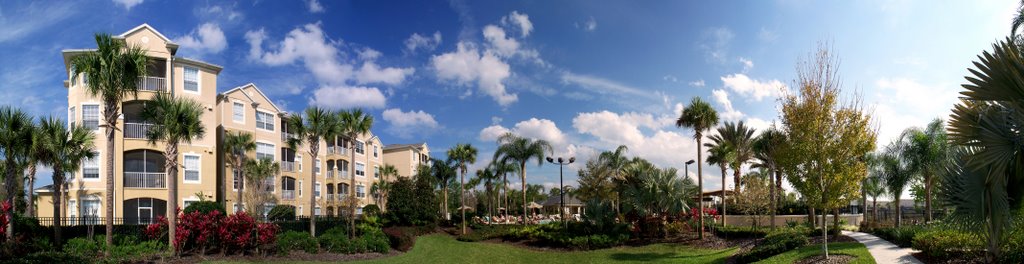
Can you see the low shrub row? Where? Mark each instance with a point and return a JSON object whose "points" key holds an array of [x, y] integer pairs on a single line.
{"points": [[737, 232], [902, 236], [774, 244], [573, 236], [336, 240], [126, 249], [944, 243], [403, 237]]}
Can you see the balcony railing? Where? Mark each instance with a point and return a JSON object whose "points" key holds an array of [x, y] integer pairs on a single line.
{"points": [[136, 130], [330, 173], [288, 195], [342, 174], [151, 180], [285, 136], [330, 196], [330, 149], [287, 166], [148, 83]]}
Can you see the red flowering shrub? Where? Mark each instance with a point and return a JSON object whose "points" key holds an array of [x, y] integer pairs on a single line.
{"points": [[266, 233], [238, 232], [4, 208], [158, 229]]}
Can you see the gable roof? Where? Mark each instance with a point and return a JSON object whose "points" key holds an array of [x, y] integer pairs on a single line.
{"points": [[147, 26], [260, 92], [391, 147]]}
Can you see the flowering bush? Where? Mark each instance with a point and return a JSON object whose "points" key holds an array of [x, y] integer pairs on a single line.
{"points": [[238, 232], [4, 208]]}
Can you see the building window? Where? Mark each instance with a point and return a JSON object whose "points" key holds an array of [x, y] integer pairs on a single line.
{"points": [[360, 169], [264, 120], [316, 167], [71, 116], [343, 189], [191, 79], [299, 188], [264, 151], [298, 162], [317, 211], [234, 173], [91, 167], [238, 111], [316, 191], [72, 208], [91, 116], [192, 168], [376, 172], [359, 148], [91, 210], [375, 151], [300, 210], [360, 191]]}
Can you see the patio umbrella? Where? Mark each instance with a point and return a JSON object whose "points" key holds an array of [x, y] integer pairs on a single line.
{"points": [[534, 205], [466, 207]]}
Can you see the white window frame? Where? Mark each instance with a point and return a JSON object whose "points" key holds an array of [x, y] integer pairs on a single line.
{"points": [[199, 168], [298, 187], [199, 79], [298, 161], [234, 179], [272, 123], [360, 194], [185, 201], [317, 167], [91, 198], [99, 168], [317, 211], [356, 147], [71, 116], [299, 211], [234, 111], [72, 209], [376, 154], [357, 169], [99, 115], [376, 172], [318, 190], [273, 148]]}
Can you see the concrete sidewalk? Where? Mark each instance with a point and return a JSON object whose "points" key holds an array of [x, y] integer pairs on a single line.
{"points": [[883, 251]]}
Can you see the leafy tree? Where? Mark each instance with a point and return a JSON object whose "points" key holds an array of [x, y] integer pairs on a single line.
{"points": [[310, 130], [826, 140], [65, 148], [756, 186], [487, 176], [412, 200], [655, 192], [700, 116], [175, 120], [36, 153], [444, 173], [257, 174], [382, 187], [513, 148], [351, 124], [595, 183], [237, 145], [613, 163], [112, 73], [462, 154], [898, 170]]}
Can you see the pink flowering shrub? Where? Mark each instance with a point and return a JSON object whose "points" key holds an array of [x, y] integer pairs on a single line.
{"points": [[197, 230]]}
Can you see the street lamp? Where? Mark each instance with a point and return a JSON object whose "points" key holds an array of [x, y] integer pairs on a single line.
{"points": [[561, 190], [687, 166]]}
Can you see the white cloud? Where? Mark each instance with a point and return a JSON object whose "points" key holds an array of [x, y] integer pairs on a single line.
{"points": [[744, 86], [224, 12], [532, 128], [697, 83], [715, 43], [368, 54], [660, 146], [207, 38], [341, 97], [417, 41], [520, 20], [405, 124], [747, 64], [21, 22], [307, 44], [128, 4], [502, 45], [670, 78], [369, 72], [602, 86], [899, 105], [492, 133], [314, 6], [767, 35], [729, 113], [467, 66], [589, 26]]}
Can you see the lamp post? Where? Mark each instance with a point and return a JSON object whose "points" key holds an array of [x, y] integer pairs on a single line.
{"points": [[561, 185], [687, 166]]}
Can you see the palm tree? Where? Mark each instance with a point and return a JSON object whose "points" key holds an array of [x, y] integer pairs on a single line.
{"points": [[928, 150], [614, 162], [15, 130], [740, 138], [462, 154], [766, 150], [237, 145], [383, 185], [317, 125], [257, 173], [897, 172], [700, 117], [175, 120], [352, 124], [112, 73], [65, 150], [874, 186], [444, 171], [513, 148], [722, 155], [488, 177], [503, 169], [36, 153]]}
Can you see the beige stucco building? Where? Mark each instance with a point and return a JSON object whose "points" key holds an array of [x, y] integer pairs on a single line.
{"points": [[407, 157], [140, 181]]}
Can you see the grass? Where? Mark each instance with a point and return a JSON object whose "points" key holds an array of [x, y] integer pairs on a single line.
{"points": [[850, 248]]}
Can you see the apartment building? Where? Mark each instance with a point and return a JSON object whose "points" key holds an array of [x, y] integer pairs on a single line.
{"points": [[140, 193], [407, 157]]}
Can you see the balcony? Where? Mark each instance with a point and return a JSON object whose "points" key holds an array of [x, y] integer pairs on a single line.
{"points": [[287, 166], [154, 84], [330, 197], [330, 174], [136, 130], [285, 136], [288, 195], [145, 180]]}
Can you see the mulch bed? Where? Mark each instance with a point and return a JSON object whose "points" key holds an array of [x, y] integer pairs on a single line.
{"points": [[832, 259], [293, 256]]}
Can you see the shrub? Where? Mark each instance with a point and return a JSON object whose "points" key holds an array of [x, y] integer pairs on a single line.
{"points": [[49, 257], [237, 232], [943, 244], [126, 248], [281, 212], [335, 240], [82, 247], [411, 202], [403, 238], [773, 245], [205, 207], [294, 240], [371, 210], [901, 236], [377, 242], [740, 232]]}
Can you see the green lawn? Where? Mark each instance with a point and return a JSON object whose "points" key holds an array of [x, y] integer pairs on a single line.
{"points": [[849, 248]]}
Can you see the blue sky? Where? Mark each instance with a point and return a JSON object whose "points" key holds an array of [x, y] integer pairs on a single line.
{"points": [[585, 75]]}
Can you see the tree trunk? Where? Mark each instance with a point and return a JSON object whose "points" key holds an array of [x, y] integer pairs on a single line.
{"points": [[812, 217], [736, 180], [241, 182], [444, 205], [314, 149], [522, 171], [171, 166], [700, 186], [724, 212], [352, 184], [504, 187], [874, 210], [775, 196], [462, 197], [899, 211], [110, 117], [778, 184], [928, 198], [58, 200], [835, 218], [824, 232], [10, 187], [31, 190]]}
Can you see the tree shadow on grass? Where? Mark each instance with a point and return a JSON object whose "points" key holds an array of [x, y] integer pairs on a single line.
{"points": [[659, 256]]}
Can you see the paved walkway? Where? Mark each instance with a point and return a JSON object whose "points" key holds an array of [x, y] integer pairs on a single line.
{"points": [[883, 251]]}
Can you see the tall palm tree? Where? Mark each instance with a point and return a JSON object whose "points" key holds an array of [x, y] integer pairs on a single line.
{"points": [[175, 120], [874, 186], [699, 116], [928, 150], [740, 138], [897, 171], [112, 73], [310, 130], [489, 178], [257, 173], [383, 185], [444, 171], [520, 150], [15, 129], [462, 154], [722, 155], [36, 153], [353, 123], [503, 169], [237, 145], [766, 150], [614, 162], [65, 150]]}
